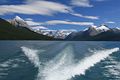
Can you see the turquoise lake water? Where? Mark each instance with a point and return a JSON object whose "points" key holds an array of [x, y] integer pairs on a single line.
{"points": [[59, 60]]}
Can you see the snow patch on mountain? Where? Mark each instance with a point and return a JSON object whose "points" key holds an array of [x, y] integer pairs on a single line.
{"points": [[55, 33], [19, 22], [103, 28], [94, 30]]}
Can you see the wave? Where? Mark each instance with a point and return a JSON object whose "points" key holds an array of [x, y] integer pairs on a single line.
{"points": [[90, 61], [8, 65], [32, 55], [112, 68], [63, 66]]}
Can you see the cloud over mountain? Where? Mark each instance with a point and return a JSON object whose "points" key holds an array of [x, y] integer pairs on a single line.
{"points": [[36, 7], [54, 22], [85, 16], [43, 7]]}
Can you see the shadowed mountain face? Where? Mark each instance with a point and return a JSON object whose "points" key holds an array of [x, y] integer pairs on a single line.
{"points": [[102, 33], [10, 32]]}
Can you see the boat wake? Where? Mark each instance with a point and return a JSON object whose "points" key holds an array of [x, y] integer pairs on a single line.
{"points": [[63, 66]]}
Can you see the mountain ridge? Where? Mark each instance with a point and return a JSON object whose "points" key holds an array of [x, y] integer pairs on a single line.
{"points": [[96, 34], [10, 32], [18, 29]]}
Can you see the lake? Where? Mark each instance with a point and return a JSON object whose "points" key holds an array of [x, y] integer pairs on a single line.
{"points": [[59, 60]]}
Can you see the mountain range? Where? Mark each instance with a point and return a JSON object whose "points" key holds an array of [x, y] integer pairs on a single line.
{"points": [[93, 33], [19, 29], [61, 34], [57, 34]]}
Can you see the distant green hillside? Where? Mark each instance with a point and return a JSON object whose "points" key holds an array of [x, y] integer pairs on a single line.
{"points": [[10, 32]]}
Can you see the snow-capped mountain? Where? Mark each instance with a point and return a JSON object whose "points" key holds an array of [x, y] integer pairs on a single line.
{"points": [[118, 28], [92, 33], [19, 22], [100, 33], [103, 28], [11, 32], [61, 34], [94, 30]]}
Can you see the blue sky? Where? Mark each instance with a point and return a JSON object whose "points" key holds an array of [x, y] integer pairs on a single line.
{"points": [[63, 14]]}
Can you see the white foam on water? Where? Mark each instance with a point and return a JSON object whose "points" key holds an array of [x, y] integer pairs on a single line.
{"points": [[6, 66], [65, 72], [60, 67], [63, 66], [90, 61], [113, 69], [7, 63], [32, 55]]}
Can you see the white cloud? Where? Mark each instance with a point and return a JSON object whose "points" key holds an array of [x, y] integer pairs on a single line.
{"points": [[55, 22], [39, 27], [110, 22], [68, 29], [35, 7], [81, 3], [32, 23], [29, 19], [83, 16], [43, 7]]}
